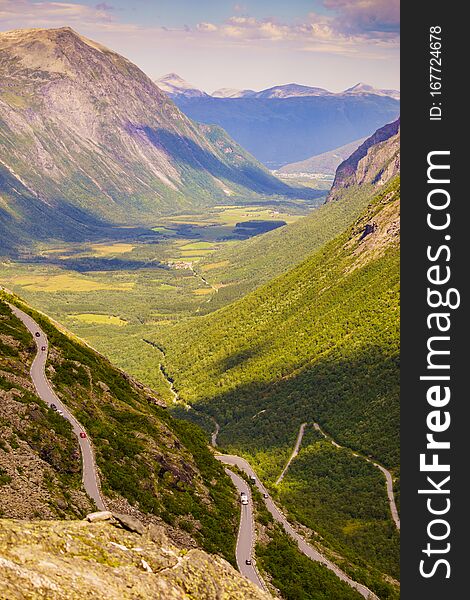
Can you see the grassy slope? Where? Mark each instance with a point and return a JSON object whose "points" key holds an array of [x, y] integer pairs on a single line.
{"points": [[319, 343], [39, 469], [157, 464], [242, 267]]}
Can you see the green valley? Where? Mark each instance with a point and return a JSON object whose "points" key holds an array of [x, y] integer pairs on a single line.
{"points": [[175, 292], [151, 465], [320, 343]]}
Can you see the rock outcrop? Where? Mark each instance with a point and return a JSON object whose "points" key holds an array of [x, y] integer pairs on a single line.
{"points": [[375, 162], [72, 560]]}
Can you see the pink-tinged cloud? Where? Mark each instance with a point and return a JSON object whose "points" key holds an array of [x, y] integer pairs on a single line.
{"points": [[313, 32], [368, 17], [45, 14]]}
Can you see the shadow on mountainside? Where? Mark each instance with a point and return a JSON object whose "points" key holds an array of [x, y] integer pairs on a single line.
{"points": [[354, 396], [248, 175]]}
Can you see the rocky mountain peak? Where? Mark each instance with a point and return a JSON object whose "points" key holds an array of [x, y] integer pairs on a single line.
{"points": [[365, 88], [82, 127], [375, 162], [174, 85]]}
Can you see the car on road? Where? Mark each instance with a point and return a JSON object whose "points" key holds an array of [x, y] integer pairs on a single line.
{"points": [[60, 412], [37, 334], [54, 407], [253, 479], [244, 498], [43, 348], [82, 434], [248, 561], [265, 495]]}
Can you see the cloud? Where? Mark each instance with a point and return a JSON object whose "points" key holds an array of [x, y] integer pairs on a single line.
{"points": [[316, 32], [28, 13], [346, 22], [367, 17], [365, 28]]}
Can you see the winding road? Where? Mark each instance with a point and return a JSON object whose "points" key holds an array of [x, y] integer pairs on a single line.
{"points": [[46, 393], [246, 533], [387, 474], [294, 452], [278, 516]]}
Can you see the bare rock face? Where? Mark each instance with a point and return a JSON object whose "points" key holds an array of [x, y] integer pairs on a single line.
{"points": [[89, 141], [129, 523], [375, 162], [72, 560]]}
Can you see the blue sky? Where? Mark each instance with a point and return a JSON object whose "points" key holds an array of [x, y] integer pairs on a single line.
{"points": [[247, 44], [173, 13]]}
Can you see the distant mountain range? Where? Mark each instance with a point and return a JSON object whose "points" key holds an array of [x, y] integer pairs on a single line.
{"points": [[287, 123], [325, 163], [88, 141], [174, 85]]}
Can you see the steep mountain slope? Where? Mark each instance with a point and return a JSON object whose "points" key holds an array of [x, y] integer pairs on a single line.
{"points": [[71, 560], [240, 268], [88, 140], [39, 471], [375, 162], [151, 465], [337, 306], [283, 125], [318, 344], [327, 162]]}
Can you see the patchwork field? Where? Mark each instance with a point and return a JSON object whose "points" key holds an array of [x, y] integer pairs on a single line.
{"points": [[104, 291]]}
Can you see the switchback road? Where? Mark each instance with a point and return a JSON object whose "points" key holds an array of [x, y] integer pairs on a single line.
{"points": [[278, 516], [294, 452], [387, 474], [47, 395]]}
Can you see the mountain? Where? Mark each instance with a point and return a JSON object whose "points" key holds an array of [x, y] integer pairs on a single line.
{"points": [[375, 162], [317, 344], [284, 125], [151, 466], [325, 163], [174, 85], [70, 560], [291, 90], [232, 93], [88, 141], [364, 88]]}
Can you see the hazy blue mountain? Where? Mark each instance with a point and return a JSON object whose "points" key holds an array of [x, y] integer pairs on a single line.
{"points": [[325, 163], [280, 126]]}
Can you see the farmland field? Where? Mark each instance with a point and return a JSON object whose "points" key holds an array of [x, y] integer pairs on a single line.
{"points": [[104, 291]]}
